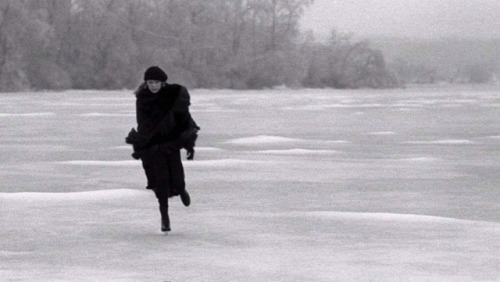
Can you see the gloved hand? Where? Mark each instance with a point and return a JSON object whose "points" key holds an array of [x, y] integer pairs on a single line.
{"points": [[190, 153], [132, 137]]}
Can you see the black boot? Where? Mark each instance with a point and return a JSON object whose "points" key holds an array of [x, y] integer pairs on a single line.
{"points": [[165, 220], [165, 224], [186, 200]]}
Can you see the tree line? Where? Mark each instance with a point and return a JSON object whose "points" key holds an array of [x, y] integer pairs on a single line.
{"points": [[238, 44]]}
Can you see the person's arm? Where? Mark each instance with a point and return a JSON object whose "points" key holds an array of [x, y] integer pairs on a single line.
{"points": [[180, 109], [147, 124]]}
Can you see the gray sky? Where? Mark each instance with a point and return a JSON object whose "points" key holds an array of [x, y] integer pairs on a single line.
{"points": [[410, 18]]}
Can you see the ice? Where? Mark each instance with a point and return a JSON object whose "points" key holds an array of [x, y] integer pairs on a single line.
{"points": [[286, 185], [110, 235], [113, 235]]}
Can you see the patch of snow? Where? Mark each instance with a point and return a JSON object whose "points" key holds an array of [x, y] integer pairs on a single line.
{"points": [[208, 149], [305, 108], [383, 216], [124, 147], [382, 133], [222, 163], [270, 140], [215, 110], [374, 105], [4, 253], [444, 142], [262, 139], [421, 159], [101, 163], [195, 163], [74, 196], [298, 151], [107, 115], [27, 114]]}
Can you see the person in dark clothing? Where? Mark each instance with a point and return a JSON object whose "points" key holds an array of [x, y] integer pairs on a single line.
{"points": [[164, 127]]}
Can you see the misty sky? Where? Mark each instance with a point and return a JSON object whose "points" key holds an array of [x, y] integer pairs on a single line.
{"points": [[408, 18]]}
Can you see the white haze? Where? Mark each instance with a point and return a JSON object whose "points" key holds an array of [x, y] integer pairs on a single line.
{"points": [[405, 18]]}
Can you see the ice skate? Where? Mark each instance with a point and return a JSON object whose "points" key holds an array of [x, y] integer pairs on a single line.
{"points": [[165, 225], [185, 198]]}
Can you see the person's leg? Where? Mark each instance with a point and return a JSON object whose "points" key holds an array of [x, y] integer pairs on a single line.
{"points": [[162, 195], [150, 176], [158, 171], [177, 179], [165, 219]]}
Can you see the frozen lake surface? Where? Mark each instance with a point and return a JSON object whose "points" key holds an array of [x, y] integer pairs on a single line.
{"points": [[286, 185]]}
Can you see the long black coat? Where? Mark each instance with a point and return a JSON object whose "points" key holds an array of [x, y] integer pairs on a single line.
{"points": [[164, 126]]}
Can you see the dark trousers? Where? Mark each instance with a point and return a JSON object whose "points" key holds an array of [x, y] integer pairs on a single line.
{"points": [[165, 175]]}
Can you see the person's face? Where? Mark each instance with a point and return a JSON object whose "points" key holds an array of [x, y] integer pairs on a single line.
{"points": [[154, 85]]}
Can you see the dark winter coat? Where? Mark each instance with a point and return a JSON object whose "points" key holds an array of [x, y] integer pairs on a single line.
{"points": [[163, 120]]}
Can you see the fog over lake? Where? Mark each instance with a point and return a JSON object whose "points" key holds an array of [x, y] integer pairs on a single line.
{"points": [[407, 18]]}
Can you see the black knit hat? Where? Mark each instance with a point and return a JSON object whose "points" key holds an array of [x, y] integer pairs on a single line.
{"points": [[155, 73]]}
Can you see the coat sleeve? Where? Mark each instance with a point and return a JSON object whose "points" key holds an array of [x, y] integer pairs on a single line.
{"points": [[186, 130], [145, 122], [183, 101], [180, 110], [148, 119]]}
